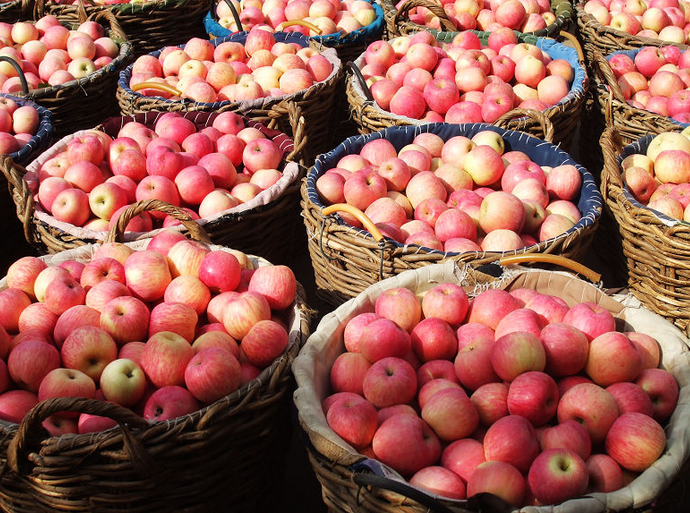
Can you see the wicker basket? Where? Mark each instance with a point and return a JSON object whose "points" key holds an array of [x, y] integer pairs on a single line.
{"points": [[13, 11], [564, 116], [346, 260], [273, 215], [223, 457], [656, 247], [398, 23], [87, 101], [149, 25], [316, 103], [353, 482]]}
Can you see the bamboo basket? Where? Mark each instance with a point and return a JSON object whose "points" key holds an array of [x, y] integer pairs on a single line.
{"points": [[399, 24], [655, 246], [315, 103], [223, 457], [149, 25], [351, 481], [346, 260], [266, 226], [564, 116]]}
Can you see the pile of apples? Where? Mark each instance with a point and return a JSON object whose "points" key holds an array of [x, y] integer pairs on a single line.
{"points": [[232, 71], [329, 16], [510, 393], [463, 194], [656, 79], [463, 81], [660, 177], [51, 54], [18, 124], [163, 331], [520, 15], [208, 171], [666, 20]]}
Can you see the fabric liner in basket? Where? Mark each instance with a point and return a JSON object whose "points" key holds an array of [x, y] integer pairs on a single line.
{"points": [[349, 270], [564, 115], [44, 134], [312, 369], [223, 454]]}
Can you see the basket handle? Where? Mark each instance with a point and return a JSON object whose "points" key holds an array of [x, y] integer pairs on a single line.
{"points": [[361, 217], [603, 70], [611, 147], [157, 86], [117, 230], [531, 114], [14, 173], [293, 112], [576, 44], [234, 12], [18, 448], [549, 258], [20, 72], [403, 13], [302, 23], [360, 78], [104, 16]]}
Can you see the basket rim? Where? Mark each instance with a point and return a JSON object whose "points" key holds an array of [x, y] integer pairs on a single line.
{"points": [[44, 134], [135, 9]]}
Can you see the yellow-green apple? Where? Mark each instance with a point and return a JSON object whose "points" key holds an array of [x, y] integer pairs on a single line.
{"points": [[591, 319], [243, 311], [662, 388], [88, 349], [100, 294], [498, 478], [490, 306], [126, 319], [165, 358], [354, 419], [635, 441], [511, 439], [557, 475], [15, 404], [147, 274], [667, 141], [212, 373], [347, 372], [566, 349], [401, 306], [592, 406], [533, 395], [71, 319], [630, 396], [608, 347], [491, 402], [439, 480], [569, 435], [169, 402], [451, 414], [390, 381], [105, 198], [648, 347], [22, 273]]}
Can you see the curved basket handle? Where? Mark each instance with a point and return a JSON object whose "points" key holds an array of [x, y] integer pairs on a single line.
{"points": [[106, 16], [234, 12], [30, 427], [360, 78], [611, 147], [361, 217], [603, 70], [24, 199], [20, 72], [293, 112], [158, 86], [302, 23], [436, 8], [535, 115], [117, 231], [559, 260], [576, 44]]}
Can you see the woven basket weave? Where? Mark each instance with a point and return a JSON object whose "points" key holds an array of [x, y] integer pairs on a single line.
{"points": [[223, 457], [12, 11], [564, 116], [346, 260], [353, 482], [265, 227], [656, 247], [398, 23], [149, 25]]}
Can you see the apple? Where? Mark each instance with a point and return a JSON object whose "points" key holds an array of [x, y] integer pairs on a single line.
{"points": [[635, 441], [123, 382], [401, 306], [126, 319], [165, 358], [566, 349], [533, 395], [439, 480], [451, 414], [591, 405], [569, 435], [607, 348], [511, 439], [212, 373], [88, 349], [662, 388], [354, 419], [498, 478], [147, 274], [557, 475], [591, 319], [169, 402], [390, 381], [264, 342], [517, 352]]}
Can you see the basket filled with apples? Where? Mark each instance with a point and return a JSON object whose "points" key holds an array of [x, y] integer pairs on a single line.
{"points": [[406, 197], [235, 176], [148, 25], [130, 372], [69, 68], [257, 74], [496, 415], [541, 18], [468, 77], [645, 187]]}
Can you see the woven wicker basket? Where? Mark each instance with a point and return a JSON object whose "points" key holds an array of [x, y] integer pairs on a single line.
{"points": [[656, 247], [223, 457], [264, 227], [316, 103], [398, 23], [149, 25], [87, 101], [13, 11], [353, 482], [346, 260], [564, 116]]}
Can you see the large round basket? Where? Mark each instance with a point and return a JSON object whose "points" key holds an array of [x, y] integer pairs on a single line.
{"points": [[564, 115], [265, 226], [351, 481], [149, 25], [12, 11], [224, 457], [398, 22], [87, 101], [346, 260], [655, 246], [316, 102]]}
